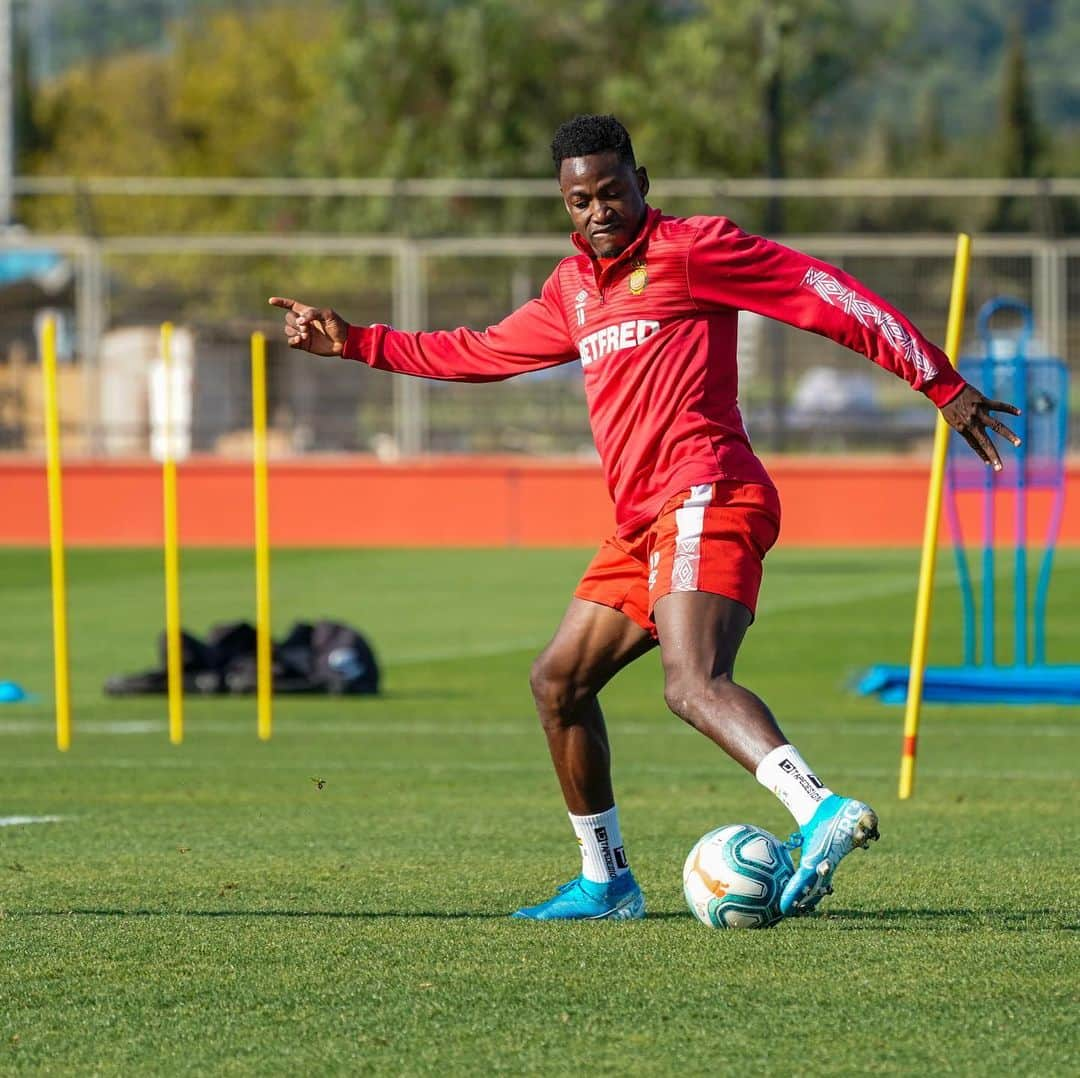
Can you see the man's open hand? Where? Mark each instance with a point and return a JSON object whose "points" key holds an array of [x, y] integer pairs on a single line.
{"points": [[969, 413], [318, 330]]}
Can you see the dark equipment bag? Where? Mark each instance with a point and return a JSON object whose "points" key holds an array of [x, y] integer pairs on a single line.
{"points": [[326, 657]]}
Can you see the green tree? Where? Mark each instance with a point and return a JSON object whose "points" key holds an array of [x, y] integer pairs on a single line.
{"points": [[1019, 137], [1019, 127], [28, 135], [930, 137]]}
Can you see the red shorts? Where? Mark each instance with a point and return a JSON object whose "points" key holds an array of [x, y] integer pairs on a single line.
{"points": [[711, 538]]}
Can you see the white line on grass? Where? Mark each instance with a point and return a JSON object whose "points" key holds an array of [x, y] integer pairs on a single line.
{"points": [[720, 773], [527, 727], [19, 821], [91, 726], [297, 727]]}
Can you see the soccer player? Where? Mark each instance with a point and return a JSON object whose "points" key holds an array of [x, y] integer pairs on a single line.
{"points": [[649, 306]]}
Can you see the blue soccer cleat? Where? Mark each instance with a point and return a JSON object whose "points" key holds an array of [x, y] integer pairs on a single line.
{"points": [[839, 825], [583, 900]]}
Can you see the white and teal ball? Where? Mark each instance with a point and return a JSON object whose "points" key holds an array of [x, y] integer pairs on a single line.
{"points": [[734, 876]]}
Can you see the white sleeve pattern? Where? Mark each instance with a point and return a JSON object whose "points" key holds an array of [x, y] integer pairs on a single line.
{"points": [[869, 314]]}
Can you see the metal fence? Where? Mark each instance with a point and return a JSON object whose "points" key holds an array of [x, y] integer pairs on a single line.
{"points": [[798, 391]]}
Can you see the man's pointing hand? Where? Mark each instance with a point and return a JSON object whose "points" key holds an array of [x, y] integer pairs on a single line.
{"points": [[318, 330]]}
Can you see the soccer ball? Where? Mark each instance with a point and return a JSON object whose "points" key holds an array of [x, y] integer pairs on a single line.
{"points": [[734, 876]]}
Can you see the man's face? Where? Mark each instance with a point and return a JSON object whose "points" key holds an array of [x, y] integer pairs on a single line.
{"points": [[605, 198]]}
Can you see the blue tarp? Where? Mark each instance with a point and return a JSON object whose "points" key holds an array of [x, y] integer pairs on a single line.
{"points": [[18, 265], [977, 684]]}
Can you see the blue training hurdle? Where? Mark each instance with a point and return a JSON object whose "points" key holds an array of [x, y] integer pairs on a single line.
{"points": [[1038, 385]]}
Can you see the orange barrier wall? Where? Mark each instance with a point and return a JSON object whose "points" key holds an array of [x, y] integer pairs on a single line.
{"points": [[358, 501]]}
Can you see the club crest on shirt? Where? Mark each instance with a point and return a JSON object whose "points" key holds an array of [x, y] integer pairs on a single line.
{"points": [[639, 278]]}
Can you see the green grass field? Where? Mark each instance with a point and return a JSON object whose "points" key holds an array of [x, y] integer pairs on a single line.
{"points": [[208, 909]]}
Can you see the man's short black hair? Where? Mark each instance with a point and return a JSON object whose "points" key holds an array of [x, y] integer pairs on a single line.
{"points": [[584, 135]]}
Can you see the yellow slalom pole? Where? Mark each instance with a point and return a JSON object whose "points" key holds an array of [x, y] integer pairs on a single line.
{"points": [[265, 683], [924, 599], [174, 657], [56, 536]]}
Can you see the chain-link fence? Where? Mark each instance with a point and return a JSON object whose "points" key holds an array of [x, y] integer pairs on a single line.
{"points": [[798, 391]]}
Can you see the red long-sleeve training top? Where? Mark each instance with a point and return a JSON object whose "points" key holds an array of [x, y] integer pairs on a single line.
{"points": [[655, 331]]}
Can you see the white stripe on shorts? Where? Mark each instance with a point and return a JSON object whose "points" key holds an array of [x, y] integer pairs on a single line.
{"points": [[689, 523]]}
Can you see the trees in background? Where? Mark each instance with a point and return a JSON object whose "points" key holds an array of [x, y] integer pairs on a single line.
{"points": [[1019, 143], [448, 87], [1020, 137]]}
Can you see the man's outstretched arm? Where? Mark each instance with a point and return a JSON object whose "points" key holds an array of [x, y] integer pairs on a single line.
{"points": [[531, 338], [731, 268]]}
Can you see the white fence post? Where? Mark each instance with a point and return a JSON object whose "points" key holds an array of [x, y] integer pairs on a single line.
{"points": [[409, 314], [1050, 299]]}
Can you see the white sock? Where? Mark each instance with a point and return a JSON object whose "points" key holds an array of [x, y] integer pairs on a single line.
{"points": [[789, 776], [602, 854]]}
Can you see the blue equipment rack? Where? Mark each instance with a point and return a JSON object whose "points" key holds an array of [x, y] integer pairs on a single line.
{"points": [[1039, 387]]}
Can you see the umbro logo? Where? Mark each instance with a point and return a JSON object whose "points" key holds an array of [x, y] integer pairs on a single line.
{"points": [[579, 306]]}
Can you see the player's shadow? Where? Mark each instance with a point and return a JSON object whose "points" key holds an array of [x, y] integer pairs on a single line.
{"points": [[345, 915], [1044, 920]]}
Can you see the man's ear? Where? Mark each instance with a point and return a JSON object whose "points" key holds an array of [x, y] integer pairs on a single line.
{"points": [[642, 180]]}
